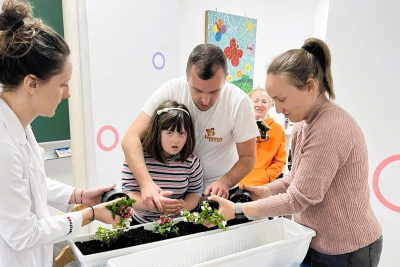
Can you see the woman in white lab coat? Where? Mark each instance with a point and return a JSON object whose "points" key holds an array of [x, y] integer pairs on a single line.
{"points": [[34, 71]]}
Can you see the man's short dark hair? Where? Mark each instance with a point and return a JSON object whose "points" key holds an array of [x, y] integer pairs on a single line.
{"points": [[207, 58]]}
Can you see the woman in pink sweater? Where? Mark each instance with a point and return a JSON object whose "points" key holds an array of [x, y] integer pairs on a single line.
{"points": [[327, 188]]}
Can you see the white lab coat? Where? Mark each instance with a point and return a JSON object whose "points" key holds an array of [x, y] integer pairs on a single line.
{"points": [[27, 232]]}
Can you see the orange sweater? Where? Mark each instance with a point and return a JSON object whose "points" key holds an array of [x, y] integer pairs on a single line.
{"points": [[271, 157]]}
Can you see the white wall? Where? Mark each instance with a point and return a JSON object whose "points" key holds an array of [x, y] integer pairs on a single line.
{"points": [[321, 19], [281, 25], [116, 57], [364, 38], [115, 60], [364, 41], [118, 72]]}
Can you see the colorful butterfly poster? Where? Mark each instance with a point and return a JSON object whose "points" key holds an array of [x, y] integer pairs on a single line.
{"points": [[236, 36]]}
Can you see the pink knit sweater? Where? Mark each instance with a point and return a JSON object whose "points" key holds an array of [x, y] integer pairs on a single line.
{"points": [[327, 188]]}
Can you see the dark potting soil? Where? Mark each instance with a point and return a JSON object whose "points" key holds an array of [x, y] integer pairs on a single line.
{"points": [[140, 236], [137, 236]]}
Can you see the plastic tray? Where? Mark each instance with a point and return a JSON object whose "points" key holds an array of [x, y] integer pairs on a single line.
{"points": [[279, 242], [100, 259]]}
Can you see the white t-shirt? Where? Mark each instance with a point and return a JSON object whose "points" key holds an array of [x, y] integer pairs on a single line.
{"points": [[229, 121]]}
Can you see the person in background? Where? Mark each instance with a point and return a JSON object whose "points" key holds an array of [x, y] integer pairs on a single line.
{"points": [[327, 189], [271, 152], [224, 124], [168, 146], [35, 68]]}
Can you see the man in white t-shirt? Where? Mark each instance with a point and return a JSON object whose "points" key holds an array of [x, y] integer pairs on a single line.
{"points": [[224, 123]]}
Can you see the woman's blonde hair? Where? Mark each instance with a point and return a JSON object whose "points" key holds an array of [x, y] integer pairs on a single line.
{"points": [[313, 60], [271, 102]]}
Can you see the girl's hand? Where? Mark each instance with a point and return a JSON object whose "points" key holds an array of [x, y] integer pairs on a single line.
{"points": [[183, 206], [91, 197], [258, 192], [170, 206]]}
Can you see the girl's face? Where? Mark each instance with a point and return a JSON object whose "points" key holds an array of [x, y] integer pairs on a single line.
{"points": [[50, 93], [172, 141], [294, 103], [260, 104]]}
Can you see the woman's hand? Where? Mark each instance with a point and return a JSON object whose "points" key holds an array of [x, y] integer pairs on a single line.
{"points": [[226, 208], [93, 196], [100, 213], [258, 192], [104, 215]]}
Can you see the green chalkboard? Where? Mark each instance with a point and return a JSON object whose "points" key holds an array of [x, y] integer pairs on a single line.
{"points": [[57, 127]]}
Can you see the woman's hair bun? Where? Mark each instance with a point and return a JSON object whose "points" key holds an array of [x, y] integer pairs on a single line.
{"points": [[13, 12]]}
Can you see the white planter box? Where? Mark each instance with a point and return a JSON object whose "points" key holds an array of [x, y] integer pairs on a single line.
{"points": [[100, 259], [279, 242]]}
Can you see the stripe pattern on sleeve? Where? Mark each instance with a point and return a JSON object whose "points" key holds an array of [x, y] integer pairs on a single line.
{"points": [[179, 177]]}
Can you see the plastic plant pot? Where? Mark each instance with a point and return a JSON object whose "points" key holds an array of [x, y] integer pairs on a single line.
{"points": [[112, 195], [241, 196], [213, 204], [262, 129]]}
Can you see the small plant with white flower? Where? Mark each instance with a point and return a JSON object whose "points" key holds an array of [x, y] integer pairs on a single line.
{"points": [[166, 226], [107, 236], [122, 208], [206, 214]]}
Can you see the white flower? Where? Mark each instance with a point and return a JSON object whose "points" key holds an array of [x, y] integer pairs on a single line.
{"points": [[224, 223], [204, 202], [209, 208], [195, 214], [195, 220], [181, 212], [184, 219], [202, 207]]}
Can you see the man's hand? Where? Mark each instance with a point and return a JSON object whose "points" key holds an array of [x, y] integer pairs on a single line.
{"points": [[218, 188], [258, 192], [150, 196], [170, 206]]}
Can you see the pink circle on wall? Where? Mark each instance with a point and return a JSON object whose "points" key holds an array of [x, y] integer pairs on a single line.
{"points": [[112, 129], [375, 184]]}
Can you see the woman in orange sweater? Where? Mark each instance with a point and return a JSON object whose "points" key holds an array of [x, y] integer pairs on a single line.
{"points": [[271, 152]]}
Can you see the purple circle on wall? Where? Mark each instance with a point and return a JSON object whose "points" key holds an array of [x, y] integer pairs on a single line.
{"points": [[163, 58]]}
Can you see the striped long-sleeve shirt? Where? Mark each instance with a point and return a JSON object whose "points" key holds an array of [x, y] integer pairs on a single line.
{"points": [[179, 177], [327, 188]]}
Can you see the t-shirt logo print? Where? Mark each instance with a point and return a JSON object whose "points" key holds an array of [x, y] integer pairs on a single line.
{"points": [[210, 135]]}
